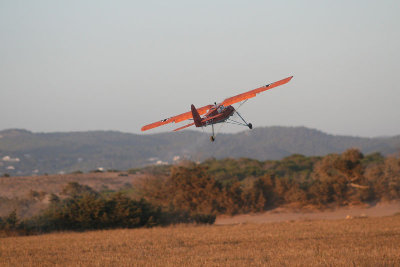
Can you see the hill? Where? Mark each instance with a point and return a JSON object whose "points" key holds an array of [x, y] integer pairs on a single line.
{"points": [[25, 153]]}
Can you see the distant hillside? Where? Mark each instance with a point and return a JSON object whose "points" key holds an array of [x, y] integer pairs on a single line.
{"points": [[24, 153]]}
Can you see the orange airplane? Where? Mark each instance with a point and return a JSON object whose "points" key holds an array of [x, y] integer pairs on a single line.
{"points": [[216, 113]]}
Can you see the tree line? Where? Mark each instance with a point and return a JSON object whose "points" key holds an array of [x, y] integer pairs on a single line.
{"points": [[233, 186], [197, 193]]}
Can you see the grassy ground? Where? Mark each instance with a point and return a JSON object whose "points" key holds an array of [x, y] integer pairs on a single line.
{"points": [[364, 241], [19, 186]]}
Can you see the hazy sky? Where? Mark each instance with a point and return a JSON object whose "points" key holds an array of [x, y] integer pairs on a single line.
{"points": [[117, 65]]}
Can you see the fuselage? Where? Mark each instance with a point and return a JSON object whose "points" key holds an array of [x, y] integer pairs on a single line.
{"points": [[217, 115]]}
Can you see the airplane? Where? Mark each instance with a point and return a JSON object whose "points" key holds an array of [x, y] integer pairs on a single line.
{"points": [[217, 113]]}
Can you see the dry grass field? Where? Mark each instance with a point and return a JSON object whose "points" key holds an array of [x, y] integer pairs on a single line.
{"points": [[19, 186], [360, 242]]}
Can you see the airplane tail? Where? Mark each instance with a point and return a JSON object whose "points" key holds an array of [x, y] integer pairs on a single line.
{"points": [[196, 117]]}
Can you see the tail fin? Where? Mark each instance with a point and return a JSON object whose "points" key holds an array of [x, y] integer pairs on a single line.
{"points": [[196, 117]]}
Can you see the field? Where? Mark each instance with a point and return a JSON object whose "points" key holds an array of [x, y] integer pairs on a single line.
{"points": [[19, 186], [359, 241]]}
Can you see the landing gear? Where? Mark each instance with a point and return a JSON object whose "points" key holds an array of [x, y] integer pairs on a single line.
{"points": [[212, 137], [245, 123], [228, 120]]}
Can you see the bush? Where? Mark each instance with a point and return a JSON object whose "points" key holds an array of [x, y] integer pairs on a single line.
{"points": [[85, 209]]}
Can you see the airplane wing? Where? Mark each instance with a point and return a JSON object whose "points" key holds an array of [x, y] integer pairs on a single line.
{"points": [[177, 118], [184, 127], [253, 93]]}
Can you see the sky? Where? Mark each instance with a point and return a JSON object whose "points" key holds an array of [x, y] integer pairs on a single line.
{"points": [[118, 65]]}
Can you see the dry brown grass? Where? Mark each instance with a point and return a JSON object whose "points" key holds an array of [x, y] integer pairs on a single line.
{"points": [[365, 242], [19, 186]]}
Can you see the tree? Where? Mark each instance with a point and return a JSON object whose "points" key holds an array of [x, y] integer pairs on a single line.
{"points": [[73, 189], [192, 189]]}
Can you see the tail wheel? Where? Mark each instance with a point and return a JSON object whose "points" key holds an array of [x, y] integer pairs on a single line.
{"points": [[250, 126], [212, 138]]}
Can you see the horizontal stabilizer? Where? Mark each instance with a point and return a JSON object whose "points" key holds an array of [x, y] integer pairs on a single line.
{"points": [[177, 118]]}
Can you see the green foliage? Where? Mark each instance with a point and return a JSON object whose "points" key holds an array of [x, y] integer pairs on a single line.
{"points": [[133, 171], [82, 208], [374, 158], [10, 222], [74, 189], [241, 186], [187, 188], [91, 211], [228, 170]]}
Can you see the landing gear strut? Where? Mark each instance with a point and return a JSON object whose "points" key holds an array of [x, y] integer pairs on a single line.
{"points": [[212, 137], [247, 124]]}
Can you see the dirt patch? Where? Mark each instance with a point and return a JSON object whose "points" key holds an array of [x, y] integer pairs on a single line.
{"points": [[279, 215]]}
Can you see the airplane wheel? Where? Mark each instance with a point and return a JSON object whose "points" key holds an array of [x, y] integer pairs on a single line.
{"points": [[250, 126], [212, 138]]}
